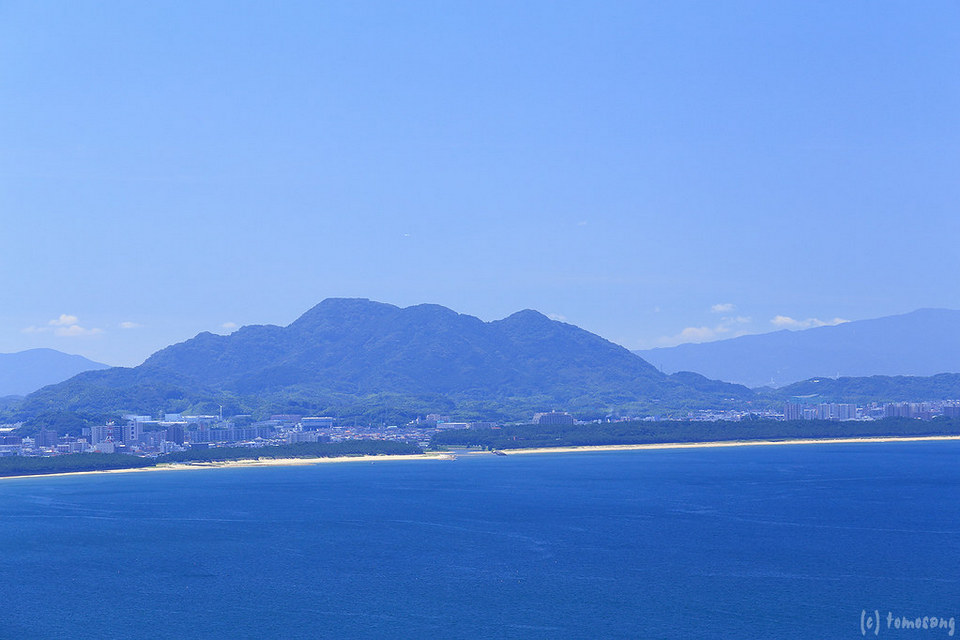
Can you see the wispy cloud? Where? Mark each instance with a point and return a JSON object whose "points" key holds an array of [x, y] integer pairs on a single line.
{"points": [[229, 326], [730, 327], [76, 330], [698, 334], [723, 307], [786, 322], [129, 325], [64, 321], [66, 326], [557, 316]]}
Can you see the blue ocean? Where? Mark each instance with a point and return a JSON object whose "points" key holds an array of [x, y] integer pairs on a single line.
{"points": [[801, 541]]}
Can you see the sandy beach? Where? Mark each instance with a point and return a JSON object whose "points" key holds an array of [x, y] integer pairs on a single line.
{"points": [[731, 443], [233, 464], [291, 462]]}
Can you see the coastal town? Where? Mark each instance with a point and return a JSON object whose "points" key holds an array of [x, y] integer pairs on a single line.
{"points": [[151, 436]]}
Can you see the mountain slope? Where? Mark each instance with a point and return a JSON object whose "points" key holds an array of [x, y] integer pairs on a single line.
{"points": [[27, 371], [348, 353], [943, 386], [922, 343]]}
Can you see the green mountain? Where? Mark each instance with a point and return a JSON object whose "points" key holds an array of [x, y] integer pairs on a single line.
{"points": [[372, 361]]}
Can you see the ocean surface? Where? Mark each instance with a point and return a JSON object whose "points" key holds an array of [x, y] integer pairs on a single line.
{"points": [[806, 541]]}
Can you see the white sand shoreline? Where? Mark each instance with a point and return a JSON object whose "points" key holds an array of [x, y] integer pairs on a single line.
{"points": [[726, 443], [234, 464], [291, 462]]}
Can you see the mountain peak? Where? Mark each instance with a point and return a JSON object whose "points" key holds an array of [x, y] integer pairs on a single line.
{"points": [[527, 316], [26, 371], [337, 309], [354, 356], [430, 310]]}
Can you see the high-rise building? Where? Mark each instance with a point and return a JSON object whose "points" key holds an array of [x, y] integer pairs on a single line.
{"points": [[46, 438], [175, 434], [793, 411], [316, 422], [129, 433], [101, 433], [846, 412], [117, 433], [553, 418]]}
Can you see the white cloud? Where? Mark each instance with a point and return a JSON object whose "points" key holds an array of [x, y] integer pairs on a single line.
{"points": [[724, 307], [557, 316], [129, 325], [75, 330], [65, 326], [229, 326], [726, 328], [786, 322], [701, 334]]}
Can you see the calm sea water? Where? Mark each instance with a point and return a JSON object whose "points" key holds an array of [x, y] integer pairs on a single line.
{"points": [[759, 542]]}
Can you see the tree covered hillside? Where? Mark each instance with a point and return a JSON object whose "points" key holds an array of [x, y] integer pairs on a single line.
{"points": [[354, 357]]}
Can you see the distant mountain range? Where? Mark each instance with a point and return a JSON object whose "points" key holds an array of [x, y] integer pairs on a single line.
{"points": [[373, 362], [354, 357], [922, 343], [26, 371], [861, 390]]}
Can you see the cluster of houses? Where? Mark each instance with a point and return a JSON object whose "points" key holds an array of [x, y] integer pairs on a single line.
{"points": [[150, 436]]}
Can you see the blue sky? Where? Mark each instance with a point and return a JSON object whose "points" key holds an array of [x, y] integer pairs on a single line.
{"points": [[654, 172]]}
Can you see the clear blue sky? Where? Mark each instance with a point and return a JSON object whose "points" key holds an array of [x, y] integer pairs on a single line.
{"points": [[636, 168]]}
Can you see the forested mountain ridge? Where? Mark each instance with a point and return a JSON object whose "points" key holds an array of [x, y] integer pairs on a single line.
{"points": [[355, 355]]}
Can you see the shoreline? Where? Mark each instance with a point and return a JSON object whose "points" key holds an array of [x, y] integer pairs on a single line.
{"points": [[719, 444], [443, 455], [246, 463]]}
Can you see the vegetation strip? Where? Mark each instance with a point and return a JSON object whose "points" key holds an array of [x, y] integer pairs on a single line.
{"points": [[77, 462], [619, 433]]}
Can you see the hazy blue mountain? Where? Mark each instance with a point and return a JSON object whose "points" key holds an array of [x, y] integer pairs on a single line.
{"points": [[9, 402], [27, 371], [921, 343], [862, 390], [352, 355]]}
